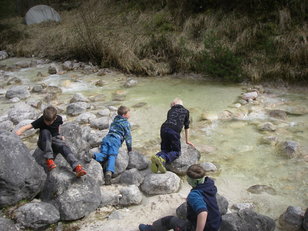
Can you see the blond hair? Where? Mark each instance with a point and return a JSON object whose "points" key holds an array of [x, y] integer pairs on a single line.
{"points": [[176, 101]]}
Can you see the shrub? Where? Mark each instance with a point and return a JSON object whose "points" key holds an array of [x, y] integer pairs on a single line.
{"points": [[219, 61]]}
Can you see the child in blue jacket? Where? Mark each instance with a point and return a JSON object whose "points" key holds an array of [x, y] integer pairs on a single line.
{"points": [[118, 132], [202, 208]]}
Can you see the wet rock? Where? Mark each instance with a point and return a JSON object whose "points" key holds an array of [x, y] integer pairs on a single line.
{"points": [[242, 206], [23, 64], [139, 105], [3, 55], [209, 167], [20, 112], [268, 126], [246, 220], [53, 89], [36, 103], [52, 70], [77, 108], [297, 110], [97, 98], [20, 176], [291, 219], [100, 123], [7, 225], [39, 74], [13, 81], [37, 215], [119, 95], [131, 177], [250, 95], [137, 160], [78, 97], [121, 162], [272, 140], [278, 114], [100, 83], [155, 184], [21, 92], [210, 116], [289, 148], [85, 118], [258, 189], [50, 97], [189, 155], [131, 195], [68, 66], [37, 88], [101, 72], [130, 83]]}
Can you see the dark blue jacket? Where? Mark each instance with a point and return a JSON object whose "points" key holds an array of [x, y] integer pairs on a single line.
{"points": [[203, 198], [120, 128]]}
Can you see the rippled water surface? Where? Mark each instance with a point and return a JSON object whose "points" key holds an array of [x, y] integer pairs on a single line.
{"points": [[235, 145]]}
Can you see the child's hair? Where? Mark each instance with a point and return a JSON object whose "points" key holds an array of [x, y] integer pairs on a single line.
{"points": [[176, 101], [195, 171], [50, 113], [122, 110]]}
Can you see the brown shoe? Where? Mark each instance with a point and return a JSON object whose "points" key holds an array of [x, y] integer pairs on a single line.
{"points": [[108, 175], [79, 171], [50, 164]]}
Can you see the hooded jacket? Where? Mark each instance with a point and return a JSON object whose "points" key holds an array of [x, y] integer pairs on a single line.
{"points": [[203, 198], [120, 128]]}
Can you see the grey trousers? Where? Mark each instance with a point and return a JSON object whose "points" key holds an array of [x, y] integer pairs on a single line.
{"points": [[51, 146], [172, 222]]}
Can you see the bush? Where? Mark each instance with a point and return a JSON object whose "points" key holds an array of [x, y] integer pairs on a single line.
{"points": [[219, 61]]}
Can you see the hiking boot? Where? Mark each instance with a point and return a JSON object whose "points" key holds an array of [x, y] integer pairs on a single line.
{"points": [[108, 175], [154, 167], [79, 171], [50, 164], [160, 162], [143, 227]]}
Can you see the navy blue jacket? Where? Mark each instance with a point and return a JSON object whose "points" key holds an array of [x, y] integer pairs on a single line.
{"points": [[203, 198], [177, 117]]}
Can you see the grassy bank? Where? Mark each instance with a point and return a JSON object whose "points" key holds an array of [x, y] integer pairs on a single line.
{"points": [[230, 40]]}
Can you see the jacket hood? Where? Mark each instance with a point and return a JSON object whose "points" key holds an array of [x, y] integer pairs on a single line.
{"points": [[119, 118], [208, 187]]}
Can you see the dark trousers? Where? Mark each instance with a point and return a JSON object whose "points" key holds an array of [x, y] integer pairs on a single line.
{"points": [[172, 222], [51, 146], [170, 144]]}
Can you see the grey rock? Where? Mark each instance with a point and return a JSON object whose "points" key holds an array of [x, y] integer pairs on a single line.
{"points": [[110, 196], [53, 90], [250, 95], [121, 162], [278, 114], [97, 98], [137, 160], [68, 65], [85, 117], [20, 176], [289, 148], [223, 204], [13, 81], [23, 64], [27, 133], [77, 108], [100, 123], [258, 189], [21, 92], [78, 97], [131, 177], [3, 55], [7, 225], [130, 83], [245, 220], [305, 222], [92, 136], [181, 211], [105, 112], [291, 219], [268, 126], [7, 125], [209, 167], [37, 215], [155, 184], [131, 195], [189, 156], [20, 112], [15, 100], [242, 206], [41, 13], [37, 88]]}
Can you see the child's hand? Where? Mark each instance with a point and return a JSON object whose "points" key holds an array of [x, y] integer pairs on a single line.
{"points": [[62, 137]]}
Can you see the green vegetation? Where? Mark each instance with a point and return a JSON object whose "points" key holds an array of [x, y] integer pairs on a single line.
{"points": [[232, 40]]}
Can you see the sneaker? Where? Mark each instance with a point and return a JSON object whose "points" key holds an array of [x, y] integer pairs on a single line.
{"points": [[108, 175], [79, 171], [154, 167], [143, 227], [160, 162], [50, 164]]}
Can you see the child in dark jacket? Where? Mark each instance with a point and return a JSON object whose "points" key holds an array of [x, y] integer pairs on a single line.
{"points": [[202, 208], [50, 141], [177, 117], [118, 132]]}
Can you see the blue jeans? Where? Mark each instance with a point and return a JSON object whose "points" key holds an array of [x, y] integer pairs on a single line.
{"points": [[109, 152], [170, 144]]}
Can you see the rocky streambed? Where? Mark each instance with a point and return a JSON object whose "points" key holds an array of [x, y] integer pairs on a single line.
{"points": [[251, 139]]}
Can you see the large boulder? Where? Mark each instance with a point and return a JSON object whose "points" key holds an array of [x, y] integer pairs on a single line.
{"points": [[73, 197], [246, 220], [20, 112], [131, 177], [3, 55], [137, 160], [77, 108], [121, 162], [130, 195], [189, 156], [155, 184], [20, 176], [7, 225], [21, 92], [41, 13], [291, 219], [37, 215]]}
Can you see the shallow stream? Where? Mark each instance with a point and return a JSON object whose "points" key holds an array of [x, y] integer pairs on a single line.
{"points": [[232, 145]]}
